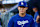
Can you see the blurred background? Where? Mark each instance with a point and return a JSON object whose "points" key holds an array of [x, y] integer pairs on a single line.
{"points": [[8, 8]]}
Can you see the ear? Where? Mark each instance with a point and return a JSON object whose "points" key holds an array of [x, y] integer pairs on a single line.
{"points": [[18, 8], [26, 8]]}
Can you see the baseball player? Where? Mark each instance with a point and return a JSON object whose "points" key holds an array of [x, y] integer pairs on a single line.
{"points": [[22, 19], [36, 17]]}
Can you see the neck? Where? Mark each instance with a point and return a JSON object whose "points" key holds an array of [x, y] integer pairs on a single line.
{"points": [[22, 14]]}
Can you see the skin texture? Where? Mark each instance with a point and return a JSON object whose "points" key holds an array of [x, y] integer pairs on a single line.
{"points": [[35, 9], [22, 11], [37, 19]]}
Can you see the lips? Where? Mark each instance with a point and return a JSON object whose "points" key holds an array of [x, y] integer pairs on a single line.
{"points": [[21, 11]]}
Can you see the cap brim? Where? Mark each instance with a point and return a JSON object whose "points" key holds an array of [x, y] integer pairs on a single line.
{"points": [[23, 6]]}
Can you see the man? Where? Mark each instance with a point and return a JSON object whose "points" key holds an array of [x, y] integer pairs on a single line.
{"points": [[36, 16], [22, 19]]}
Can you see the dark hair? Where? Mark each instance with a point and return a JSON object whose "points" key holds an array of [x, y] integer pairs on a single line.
{"points": [[35, 7]]}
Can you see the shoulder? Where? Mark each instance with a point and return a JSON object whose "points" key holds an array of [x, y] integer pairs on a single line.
{"points": [[30, 16], [13, 17]]}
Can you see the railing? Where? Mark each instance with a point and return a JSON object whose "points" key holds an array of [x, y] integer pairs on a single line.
{"points": [[10, 1], [12, 8]]}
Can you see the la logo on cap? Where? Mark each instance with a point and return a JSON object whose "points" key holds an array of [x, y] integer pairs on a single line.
{"points": [[22, 3]]}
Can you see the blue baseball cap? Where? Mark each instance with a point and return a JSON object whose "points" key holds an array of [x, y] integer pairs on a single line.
{"points": [[34, 7], [22, 3]]}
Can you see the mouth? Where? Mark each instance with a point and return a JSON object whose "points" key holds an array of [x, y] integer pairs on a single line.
{"points": [[21, 11]]}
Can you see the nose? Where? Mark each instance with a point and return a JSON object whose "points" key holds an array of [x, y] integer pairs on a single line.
{"points": [[21, 8]]}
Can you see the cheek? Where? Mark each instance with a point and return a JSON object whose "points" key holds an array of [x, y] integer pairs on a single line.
{"points": [[33, 9], [19, 9], [24, 10]]}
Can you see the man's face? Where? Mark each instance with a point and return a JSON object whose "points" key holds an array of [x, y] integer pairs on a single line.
{"points": [[22, 9], [34, 9]]}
